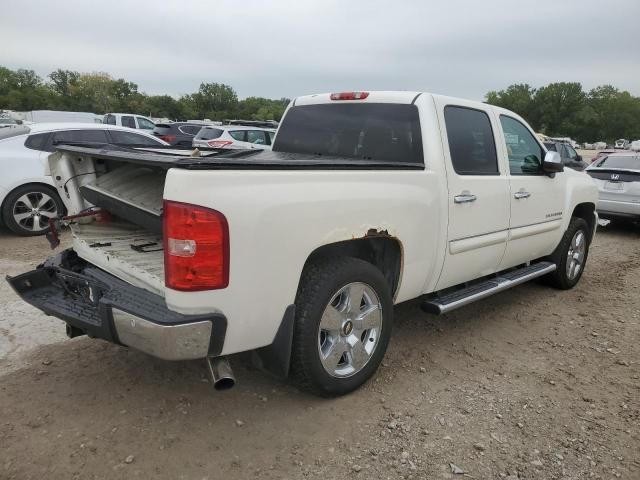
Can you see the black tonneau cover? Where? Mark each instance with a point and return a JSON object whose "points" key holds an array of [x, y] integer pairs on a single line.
{"points": [[232, 159]]}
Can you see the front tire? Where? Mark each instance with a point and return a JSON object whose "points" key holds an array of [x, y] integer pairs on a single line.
{"points": [[570, 255], [27, 209], [344, 315]]}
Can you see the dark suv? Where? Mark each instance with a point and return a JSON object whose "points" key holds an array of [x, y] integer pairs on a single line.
{"points": [[178, 133], [570, 157]]}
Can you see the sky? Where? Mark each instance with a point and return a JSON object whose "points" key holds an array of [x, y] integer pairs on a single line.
{"points": [[286, 48]]}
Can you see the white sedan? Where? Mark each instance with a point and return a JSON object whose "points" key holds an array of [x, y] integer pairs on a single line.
{"points": [[618, 178], [28, 198]]}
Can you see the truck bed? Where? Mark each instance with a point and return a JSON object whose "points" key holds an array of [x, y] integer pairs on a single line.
{"points": [[131, 253]]}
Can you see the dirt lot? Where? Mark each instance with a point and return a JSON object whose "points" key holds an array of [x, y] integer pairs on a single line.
{"points": [[531, 384]]}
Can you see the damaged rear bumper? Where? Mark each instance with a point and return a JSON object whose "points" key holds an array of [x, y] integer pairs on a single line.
{"points": [[100, 305]]}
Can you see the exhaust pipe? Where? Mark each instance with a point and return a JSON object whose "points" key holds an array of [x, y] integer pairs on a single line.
{"points": [[221, 373]]}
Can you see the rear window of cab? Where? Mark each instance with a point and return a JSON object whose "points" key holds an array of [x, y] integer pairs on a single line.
{"points": [[384, 132]]}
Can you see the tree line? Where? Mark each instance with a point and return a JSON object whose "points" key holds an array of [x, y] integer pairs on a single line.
{"points": [[564, 109], [24, 90]]}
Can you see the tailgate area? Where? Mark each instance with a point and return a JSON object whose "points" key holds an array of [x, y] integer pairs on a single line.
{"points": [[94, 302]]}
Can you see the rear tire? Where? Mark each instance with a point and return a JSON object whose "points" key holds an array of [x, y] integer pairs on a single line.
{"points": [[344, 315], [570, 256], [27, 209]]}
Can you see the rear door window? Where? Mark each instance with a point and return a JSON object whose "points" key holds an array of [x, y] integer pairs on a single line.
{"points": [[109, 119], [471, 142], [239, 135], [384, 132], [37, 141], [76, 137], [128, 121], [256, 136]]}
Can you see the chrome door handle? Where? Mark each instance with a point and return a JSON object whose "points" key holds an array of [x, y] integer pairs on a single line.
{"points": [[464, 197], [521, 194]]}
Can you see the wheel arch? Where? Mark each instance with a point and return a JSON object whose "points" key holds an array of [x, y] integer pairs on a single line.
{"points": [[377, 247], [586, 211], [11, 190]]}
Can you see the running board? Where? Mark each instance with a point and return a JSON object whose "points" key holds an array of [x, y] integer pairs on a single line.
{"points": [[465, 296]]}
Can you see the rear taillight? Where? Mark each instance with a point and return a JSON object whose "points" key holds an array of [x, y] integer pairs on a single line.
{"points": [[219, 143], [349, 96], [167, 138], [196, 247]]}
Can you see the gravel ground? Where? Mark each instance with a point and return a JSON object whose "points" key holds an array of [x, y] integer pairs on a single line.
{"points": [[530, 384]]}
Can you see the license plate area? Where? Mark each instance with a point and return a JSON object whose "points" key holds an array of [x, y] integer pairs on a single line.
{"points": [[614, 186], [79, 287]]}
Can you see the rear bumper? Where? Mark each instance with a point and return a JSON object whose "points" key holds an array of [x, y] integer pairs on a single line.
{"points": [[100, 305], [617, 208]]}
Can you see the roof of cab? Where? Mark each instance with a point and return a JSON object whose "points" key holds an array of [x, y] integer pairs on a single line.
{"points": [[374, 97]]}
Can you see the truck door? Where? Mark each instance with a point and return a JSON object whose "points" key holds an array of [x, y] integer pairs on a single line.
{"points": [[478, 193], [537, 200]]}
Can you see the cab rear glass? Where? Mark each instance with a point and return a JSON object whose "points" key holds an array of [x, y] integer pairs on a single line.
{"points": [[384, 132]]}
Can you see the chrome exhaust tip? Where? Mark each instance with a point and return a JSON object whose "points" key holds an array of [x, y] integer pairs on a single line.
{"points": [[221, 373]]}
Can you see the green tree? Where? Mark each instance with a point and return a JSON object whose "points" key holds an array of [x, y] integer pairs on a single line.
{"points": [[519, 98], [558, 105], [215, 101]]}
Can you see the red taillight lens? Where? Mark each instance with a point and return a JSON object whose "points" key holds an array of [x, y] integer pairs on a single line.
{"points": [[196, 247], [167, 138], [219, 143], [349, 96]]}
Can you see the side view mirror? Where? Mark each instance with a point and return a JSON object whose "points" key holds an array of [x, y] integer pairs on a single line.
{"points": [[579, 158], [552, 163]]}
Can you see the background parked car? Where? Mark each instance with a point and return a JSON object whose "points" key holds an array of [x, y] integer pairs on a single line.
{"points": [[177, 133], [129, 120], [570, 158], [27, 196], [7, 122], [622, 143], [603, 153], [618, 178], [234, 137]]}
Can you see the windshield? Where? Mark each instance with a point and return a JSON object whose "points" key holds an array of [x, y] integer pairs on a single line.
{"points": [[385, 132], [628, 162]]}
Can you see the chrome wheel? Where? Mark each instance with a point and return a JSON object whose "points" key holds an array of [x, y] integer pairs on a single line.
{"points": [[350, 329], [33, 210], [576, 254]]}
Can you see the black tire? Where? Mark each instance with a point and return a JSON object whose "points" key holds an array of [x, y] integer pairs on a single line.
{"points": [[29, 227], [559, 278], [320, 282]]}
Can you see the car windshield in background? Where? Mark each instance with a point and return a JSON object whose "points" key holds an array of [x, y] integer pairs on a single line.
{"points": [[626, 162], [9, 132], [370, 131], [207, 133]]}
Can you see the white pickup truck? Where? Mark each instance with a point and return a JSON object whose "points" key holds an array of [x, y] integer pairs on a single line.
{"points": [[368, 199]]}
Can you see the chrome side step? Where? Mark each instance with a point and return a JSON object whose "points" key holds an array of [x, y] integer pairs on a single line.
{"points": [[465, 296]]}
